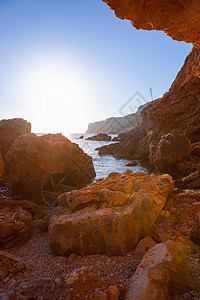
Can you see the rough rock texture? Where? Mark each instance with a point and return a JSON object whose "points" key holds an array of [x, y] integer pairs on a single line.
{"points": [[15, 226], [169, 150], [196, 149], [134, 143], [9, 266], [180, 107], [10, 130], [178, 19], [162, 273], [110, 216], [31, 159], [99, 137], [178, 110], [191, 181], [183, 221]]}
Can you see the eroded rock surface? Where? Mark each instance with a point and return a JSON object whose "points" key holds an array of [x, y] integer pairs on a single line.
{"points": [[178, 19], [183, 221], [180, 107], [9, 266], [110, 216], [15, 226], [169, 150], [162, 273], [31, 159]]}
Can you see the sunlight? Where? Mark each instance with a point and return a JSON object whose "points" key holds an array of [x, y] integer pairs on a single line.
{"points": [[56, 93]]}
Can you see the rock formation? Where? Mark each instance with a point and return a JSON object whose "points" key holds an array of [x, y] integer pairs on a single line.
{"points": [[116, 125], [100, 137], [9, 266], [182, 222], [162, 273], [10, 130], [110, 216], [169, 150], [15, 226], [181, 105], [178, 19], [49, 159]]}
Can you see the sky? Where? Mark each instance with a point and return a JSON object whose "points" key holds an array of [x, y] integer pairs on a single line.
{"points": [[64, 64]]}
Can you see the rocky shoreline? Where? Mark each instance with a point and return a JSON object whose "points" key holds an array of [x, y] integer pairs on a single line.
{"points": [[130, 235]]}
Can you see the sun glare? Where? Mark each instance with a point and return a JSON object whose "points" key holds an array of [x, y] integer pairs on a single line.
{"points": [[56, 94]]}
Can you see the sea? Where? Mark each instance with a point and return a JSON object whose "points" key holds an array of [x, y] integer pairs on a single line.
{"points": [[103, 164]]}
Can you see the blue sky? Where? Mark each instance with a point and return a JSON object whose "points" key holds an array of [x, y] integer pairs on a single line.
{"points": [[64, 64]]}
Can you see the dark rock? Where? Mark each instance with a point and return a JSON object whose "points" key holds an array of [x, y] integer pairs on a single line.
{"points": [[99, 137], [192, 181], [195, 149], [15, 226], [116, 139], [49, 163], [10, 265], [170, 149], [10, 130]]}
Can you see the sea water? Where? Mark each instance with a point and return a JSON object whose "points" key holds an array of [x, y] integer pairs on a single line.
{"points": [[103, 164]]}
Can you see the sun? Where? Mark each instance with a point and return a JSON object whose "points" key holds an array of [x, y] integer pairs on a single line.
{"points": [[56, 93]]}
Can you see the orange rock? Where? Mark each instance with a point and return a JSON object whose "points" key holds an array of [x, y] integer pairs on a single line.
{"points": [[174, 111], [144, 246], [163, 272], [183, 222], [110, 216], [178, 19]]}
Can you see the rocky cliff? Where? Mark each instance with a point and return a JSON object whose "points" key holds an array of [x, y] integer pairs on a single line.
{"points": [[118, 125]]}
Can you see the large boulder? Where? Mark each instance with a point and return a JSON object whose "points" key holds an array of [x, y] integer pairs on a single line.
{"points": [[110, 216], [50, 159], [170, 149], [10, 130], [162, 273]]}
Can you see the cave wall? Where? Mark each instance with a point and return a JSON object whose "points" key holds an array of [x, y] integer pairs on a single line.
{"points": [[180, 19]]}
